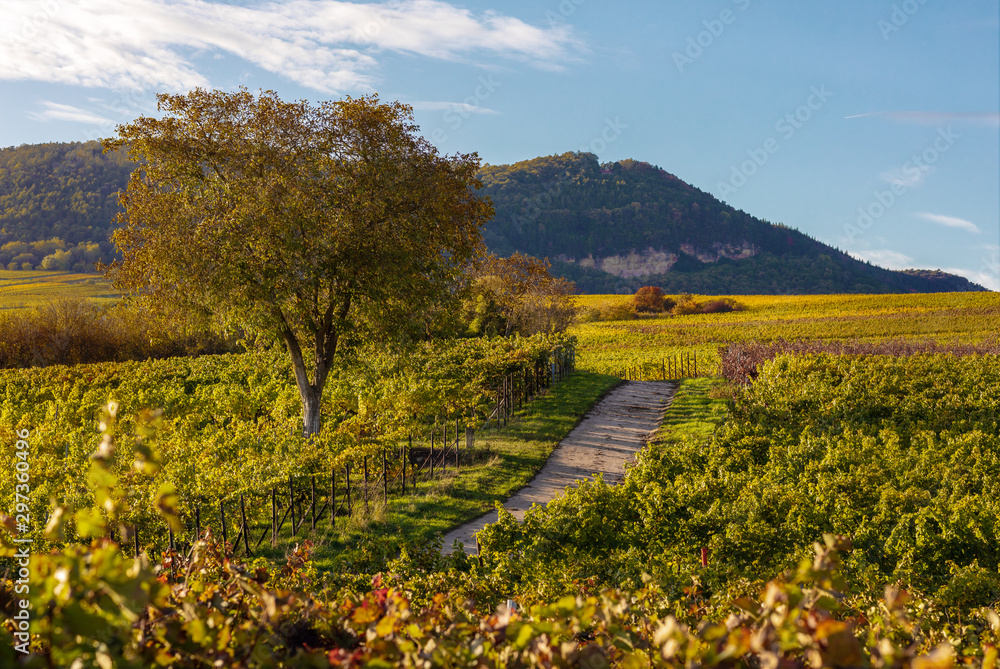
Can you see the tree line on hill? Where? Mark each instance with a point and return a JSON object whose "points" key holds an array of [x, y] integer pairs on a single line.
{"points": [[58, 200], [571, 207], [54, 255], [62, 197]]}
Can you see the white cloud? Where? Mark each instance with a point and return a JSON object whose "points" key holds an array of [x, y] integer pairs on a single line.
{"points": [[983, 277], [463, 108], [951, 222], [327, 45], [53, 111], [935, 118], [884, 258], [907, 177]]}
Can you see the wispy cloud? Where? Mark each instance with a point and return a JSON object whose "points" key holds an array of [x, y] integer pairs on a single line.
{"points": [[461, 107], [327, 45], [934, 118], [951, 222], [907, 177], [53, 111], [885, 258]]}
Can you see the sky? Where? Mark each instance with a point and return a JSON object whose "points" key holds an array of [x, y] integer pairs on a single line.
{"points": [[870, 125]]}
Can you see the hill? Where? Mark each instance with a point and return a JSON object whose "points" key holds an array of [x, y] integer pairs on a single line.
{"points": [[58, 205], [618, 226], [610, 228]]}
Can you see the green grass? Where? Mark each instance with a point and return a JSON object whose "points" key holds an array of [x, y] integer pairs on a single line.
{"points": [[516, 454], [20, 290], [697, 410]]}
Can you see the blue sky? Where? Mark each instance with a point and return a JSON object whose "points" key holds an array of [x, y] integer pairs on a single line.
{"points": [[871, 125]]}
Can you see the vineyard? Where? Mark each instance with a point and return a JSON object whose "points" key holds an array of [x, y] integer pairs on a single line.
{"points": [[644, 343], [226, 432], [20, 290], [830, 500]]}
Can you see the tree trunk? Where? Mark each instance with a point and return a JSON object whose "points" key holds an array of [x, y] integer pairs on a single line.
{"points": [[324, 341], [311, 394], [311, 401]]}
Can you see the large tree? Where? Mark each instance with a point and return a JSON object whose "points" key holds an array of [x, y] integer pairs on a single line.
{"points": [[309, 225]]}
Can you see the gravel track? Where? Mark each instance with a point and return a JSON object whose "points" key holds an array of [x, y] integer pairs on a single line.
{"points": [[607, 437]]}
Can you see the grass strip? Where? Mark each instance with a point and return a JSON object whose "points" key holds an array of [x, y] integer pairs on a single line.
{"points": [[699, 407]]}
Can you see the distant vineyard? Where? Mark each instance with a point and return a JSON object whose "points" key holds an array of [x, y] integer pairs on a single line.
{"points": [[645, 342]]}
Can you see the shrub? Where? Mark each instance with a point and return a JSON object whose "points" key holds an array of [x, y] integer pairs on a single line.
{"points": [[615, 310], [685, 307], [721, 306], [73, 331], [648, 299]]}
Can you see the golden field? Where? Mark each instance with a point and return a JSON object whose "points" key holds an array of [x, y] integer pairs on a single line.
{"points": [[611, 346]]}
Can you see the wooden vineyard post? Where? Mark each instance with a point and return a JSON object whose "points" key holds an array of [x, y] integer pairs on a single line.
{"points": [[499, 395], [291, 502], [135, 539], [222, 518], [197, 522], [409, 443], [444, 442], [246, 527], [413, 467], [510, 397], [502, 404], [312, 503], [457, 464], [365, 462], [350, 506], [274, 517], [170, 535], [333, 496], [432, 445], [696, 363], [385, 478]]}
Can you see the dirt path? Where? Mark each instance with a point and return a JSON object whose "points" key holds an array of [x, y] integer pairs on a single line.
{"points": [[608, 436]]}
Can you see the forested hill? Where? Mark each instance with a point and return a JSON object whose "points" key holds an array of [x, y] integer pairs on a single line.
{"points": [[610, 228], [618, 226], [64, 191]]}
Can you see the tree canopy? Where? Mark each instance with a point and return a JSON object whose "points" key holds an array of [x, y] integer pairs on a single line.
{"points": [[311, 225], [517, 295]]}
